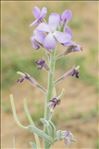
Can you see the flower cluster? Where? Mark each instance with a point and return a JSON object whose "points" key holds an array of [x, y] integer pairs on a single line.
{"points": [[56, 30]]}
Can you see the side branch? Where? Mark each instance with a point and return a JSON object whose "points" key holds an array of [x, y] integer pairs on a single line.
{"points": [[31, 80], [72, 72]]}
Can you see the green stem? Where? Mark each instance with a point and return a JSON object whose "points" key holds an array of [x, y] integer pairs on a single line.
{"points": [[50, 90]]}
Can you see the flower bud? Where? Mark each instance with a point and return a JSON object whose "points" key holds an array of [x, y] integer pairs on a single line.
{"points": [[41, 64], [53, 103]]}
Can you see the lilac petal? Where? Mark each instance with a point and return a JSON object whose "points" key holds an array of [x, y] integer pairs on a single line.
{"points": [[62, 37], [35, 45], [43, 27], [54, 20], [68, 43], [49, 42], [36, 12], [68, 30], [39, 36], [66, 15], [43, 12]]}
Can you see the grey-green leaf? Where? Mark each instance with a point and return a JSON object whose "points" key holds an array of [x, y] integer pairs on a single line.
{"points": [[40, 133], [44, 121], [48, 126], [59, 135], [53, 128]]}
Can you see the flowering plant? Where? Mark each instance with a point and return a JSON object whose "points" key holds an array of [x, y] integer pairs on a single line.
{"points": [[47, 35]]}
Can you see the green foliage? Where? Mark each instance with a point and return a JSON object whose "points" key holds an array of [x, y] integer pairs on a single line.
{"points": [[97, 144]]}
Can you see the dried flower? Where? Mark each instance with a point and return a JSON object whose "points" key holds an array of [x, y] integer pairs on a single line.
{"points": [[53, 103], [75, 72], [68, 137], [39, 15], [41, 64], [73, 47]]}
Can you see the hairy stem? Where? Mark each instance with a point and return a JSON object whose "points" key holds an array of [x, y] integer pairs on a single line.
{"points": [[51, 84]]}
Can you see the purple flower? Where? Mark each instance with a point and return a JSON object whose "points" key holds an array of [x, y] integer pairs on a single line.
{"points": [[68, 137], [53, 103], [37, 39], [41, 64], [66, 17], [39, 15], [53, 35]]}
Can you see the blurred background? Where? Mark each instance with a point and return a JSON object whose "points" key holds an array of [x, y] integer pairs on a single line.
{"points": [[78, 109]]}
